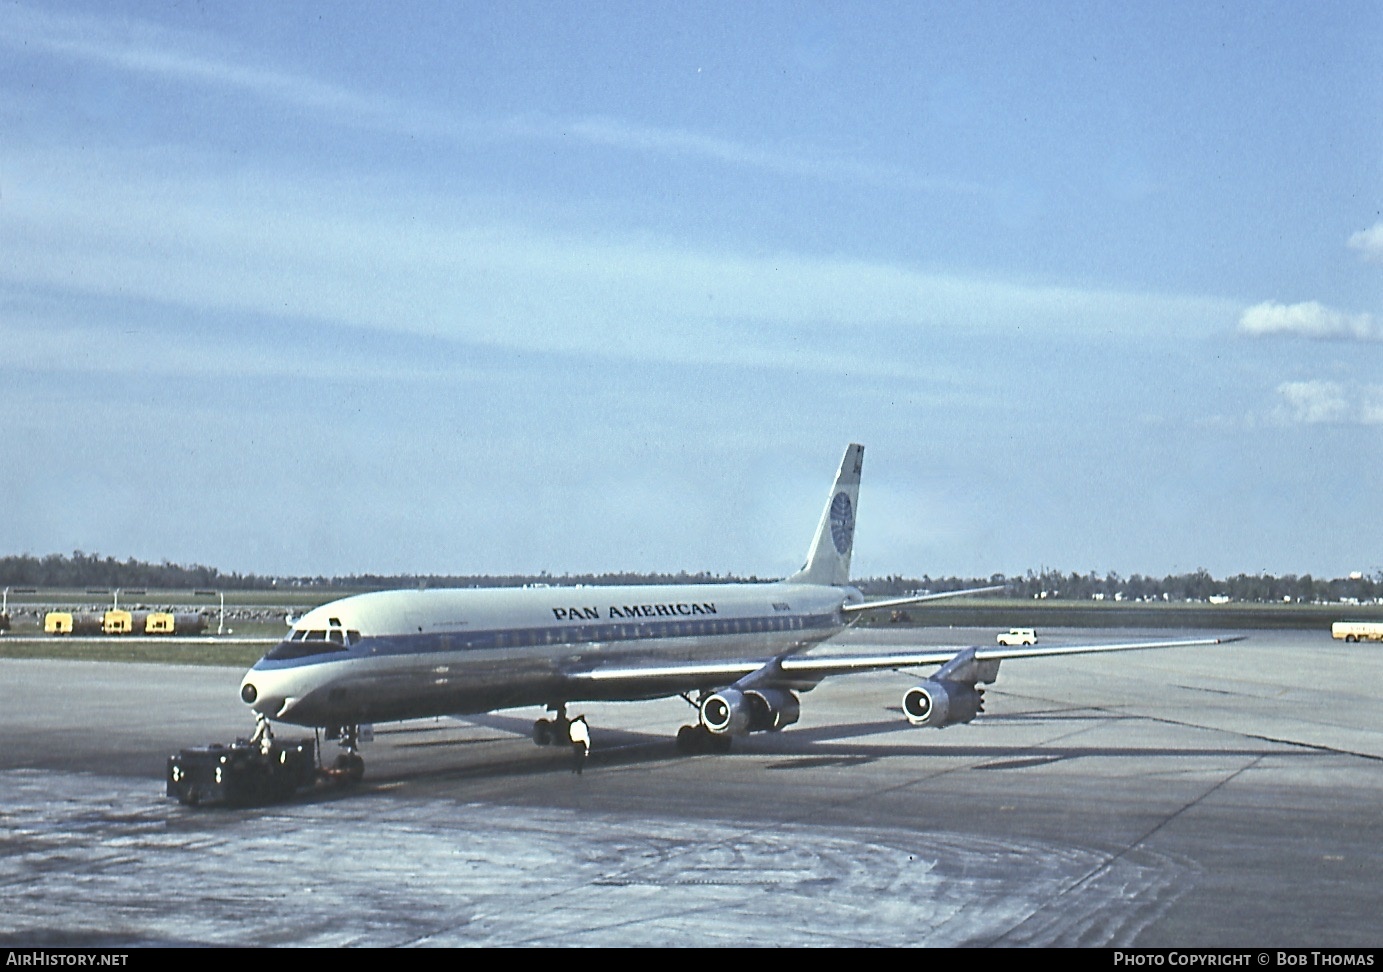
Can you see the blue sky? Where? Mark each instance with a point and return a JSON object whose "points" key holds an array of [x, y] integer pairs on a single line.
{"points": [[467, 287]]}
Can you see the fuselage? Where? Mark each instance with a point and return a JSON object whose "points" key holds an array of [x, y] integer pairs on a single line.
{"points": [[412, 654]]}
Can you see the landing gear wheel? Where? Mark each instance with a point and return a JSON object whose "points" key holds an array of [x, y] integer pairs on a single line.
{"points": [[694, 740], [687, 740], [543, 732], [351, 766]]}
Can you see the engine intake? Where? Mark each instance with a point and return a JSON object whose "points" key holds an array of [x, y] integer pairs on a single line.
{"points": [[733, 712], [940, 703]]}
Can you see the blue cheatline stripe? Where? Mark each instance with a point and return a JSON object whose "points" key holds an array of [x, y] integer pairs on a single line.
{"points": [[568, 634]]}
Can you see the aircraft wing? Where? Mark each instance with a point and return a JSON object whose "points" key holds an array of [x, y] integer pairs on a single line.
{"points": [[894, 602], [656, 681], [844, 664], [802, 672]]}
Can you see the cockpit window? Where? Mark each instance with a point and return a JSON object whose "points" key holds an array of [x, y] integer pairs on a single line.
{"points": [[301, 644]]}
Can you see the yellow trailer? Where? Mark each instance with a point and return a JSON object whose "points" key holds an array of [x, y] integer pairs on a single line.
{"points": [[57, 622], [118, 622], [159, 622]]}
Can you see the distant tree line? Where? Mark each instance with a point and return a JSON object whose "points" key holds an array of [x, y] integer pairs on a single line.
{"points": [[1196, 586], [92, 570], [390, 581]]}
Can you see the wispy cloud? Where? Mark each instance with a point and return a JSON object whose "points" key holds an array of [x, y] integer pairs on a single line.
{"points": [[157, 52], [1308, 319], [327, 252], [1329, 403], [674, 143], [1369, 243]]}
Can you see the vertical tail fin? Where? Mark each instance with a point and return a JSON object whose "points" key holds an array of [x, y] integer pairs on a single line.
{"points": [[828, 561]]}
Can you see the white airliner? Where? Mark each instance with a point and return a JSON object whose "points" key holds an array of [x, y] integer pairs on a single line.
{"points": [[735, 652]]}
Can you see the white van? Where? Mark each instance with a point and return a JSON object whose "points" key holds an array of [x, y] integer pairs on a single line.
{"points": [[1018, 636]]}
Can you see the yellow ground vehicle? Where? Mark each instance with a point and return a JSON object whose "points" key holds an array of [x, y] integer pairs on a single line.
{"points": [[159, 622], [57, 622], [121, 622], [117, 622]]}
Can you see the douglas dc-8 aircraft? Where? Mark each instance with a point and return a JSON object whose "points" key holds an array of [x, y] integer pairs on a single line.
{"points": [[735, 652]]}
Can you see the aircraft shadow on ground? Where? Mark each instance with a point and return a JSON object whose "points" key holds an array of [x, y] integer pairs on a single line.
{"points": [[800, 750]]}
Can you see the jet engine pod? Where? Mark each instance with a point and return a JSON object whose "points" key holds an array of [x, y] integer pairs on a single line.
{"points": [[772, 709], [726, 712], [942, 703], [732, 712]]}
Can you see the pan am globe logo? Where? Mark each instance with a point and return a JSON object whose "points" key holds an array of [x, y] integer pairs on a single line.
{"points": [[842, 522]]}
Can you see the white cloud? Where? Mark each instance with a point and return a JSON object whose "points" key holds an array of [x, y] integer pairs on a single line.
{"points": [[1308, 319], [1313, 402], [1311, 318], [1329, 402], [1369, 243]]}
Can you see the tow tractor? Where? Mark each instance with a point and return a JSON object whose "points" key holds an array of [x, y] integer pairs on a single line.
{"points": [[254, 771]]}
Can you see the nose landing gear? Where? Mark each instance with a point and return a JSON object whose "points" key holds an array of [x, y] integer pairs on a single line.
{"points": [[349, 765]]}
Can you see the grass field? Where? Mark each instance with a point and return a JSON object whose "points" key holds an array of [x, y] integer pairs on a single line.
{"points": [[172, 652], [1009, 613]]}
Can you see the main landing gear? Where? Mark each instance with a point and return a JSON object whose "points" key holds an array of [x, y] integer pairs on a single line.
{"points": [[697, 740], [554, 731], [691, 740]]}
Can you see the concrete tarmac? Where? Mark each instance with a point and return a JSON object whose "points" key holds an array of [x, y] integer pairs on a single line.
{"points": [[1224, 796]]}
